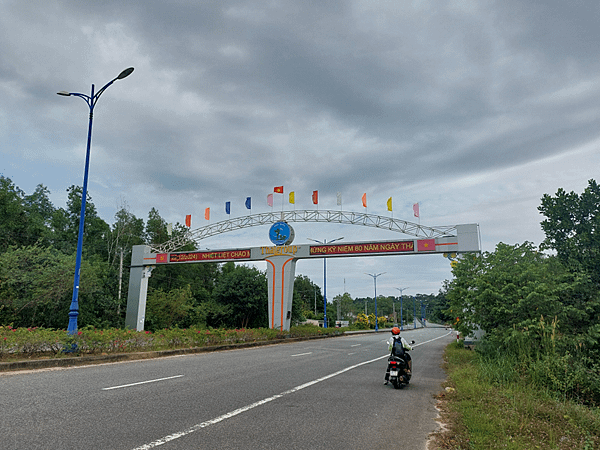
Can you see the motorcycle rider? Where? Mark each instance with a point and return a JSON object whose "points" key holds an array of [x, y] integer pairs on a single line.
{"points": [[391, 341]]}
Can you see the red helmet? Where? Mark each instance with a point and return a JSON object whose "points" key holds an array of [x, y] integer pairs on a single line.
{"points": [[395, 330]]}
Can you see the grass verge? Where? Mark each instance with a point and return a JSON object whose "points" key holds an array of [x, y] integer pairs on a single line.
{"points": [[480, 413]]}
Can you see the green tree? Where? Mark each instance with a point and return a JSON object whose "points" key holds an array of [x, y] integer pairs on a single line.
{"points": [[65, 225], [126, 231], [13, 216], [308, 297], [168, 309], [244, 292], [39, 210], [156, 229], [345, 305], [36, 285], [572, 228], [513, 287]]}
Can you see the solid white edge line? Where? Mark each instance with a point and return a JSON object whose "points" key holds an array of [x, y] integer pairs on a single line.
{"points": [[140, 382], [236, 412]]}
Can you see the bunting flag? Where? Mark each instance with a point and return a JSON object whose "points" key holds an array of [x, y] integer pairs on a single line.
{"points": [[270, 199], [188, 220], [315, 197], [278, 189], [228, 207], [364, 199], [207, 213], [389, 204], [292, 198], [339, 199], [416, 209], [170, 228], [248, 203]]}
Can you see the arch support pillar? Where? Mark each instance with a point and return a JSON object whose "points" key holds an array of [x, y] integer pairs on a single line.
{"points": [[281, 272], [138, 286]]}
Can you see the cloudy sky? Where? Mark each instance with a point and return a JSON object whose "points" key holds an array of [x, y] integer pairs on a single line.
{"points": [[473, 109]]}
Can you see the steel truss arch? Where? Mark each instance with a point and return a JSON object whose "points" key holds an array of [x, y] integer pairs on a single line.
{"points": [[344, 217]]}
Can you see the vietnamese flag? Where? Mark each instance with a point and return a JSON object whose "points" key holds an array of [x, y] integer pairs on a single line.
{"points": [[426, 245], [315, 197], [278, 189]]}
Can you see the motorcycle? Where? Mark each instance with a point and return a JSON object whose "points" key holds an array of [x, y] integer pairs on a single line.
{"points": [[399, 375]]}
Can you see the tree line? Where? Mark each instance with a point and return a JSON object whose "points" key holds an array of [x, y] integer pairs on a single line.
{"points": [[37, 259]]}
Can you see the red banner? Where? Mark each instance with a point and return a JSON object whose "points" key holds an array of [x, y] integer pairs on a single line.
{"points": [[376, 247], [203, 256]]}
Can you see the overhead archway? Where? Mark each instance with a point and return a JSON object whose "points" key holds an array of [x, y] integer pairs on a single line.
{"points": [[281, 259], [344, 217]]}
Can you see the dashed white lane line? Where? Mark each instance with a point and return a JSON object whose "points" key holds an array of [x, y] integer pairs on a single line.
{"points": [[140, 382]]}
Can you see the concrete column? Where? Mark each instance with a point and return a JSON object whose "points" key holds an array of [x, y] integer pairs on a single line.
{"points": [[138, 288], [281, 272]]}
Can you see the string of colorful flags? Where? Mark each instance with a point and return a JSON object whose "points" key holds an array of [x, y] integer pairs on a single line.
{"points": [[292, 200]]}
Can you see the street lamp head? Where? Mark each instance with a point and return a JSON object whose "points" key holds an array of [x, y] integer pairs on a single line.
{"points": [[65, 93], [125, 73]]}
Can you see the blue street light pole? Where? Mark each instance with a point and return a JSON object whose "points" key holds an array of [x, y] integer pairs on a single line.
{"points": [[415, 312], [375, 283], [91, 101], [401, 289], [325, 278]]}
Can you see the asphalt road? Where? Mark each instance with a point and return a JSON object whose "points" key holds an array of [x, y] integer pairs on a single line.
{"points": [[319, 394]]}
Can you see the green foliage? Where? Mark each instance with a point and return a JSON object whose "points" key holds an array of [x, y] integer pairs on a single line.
{"points": [[13, 217], [36, 285], [167, 309], [32, 342], [513, 287], [344, 304], [308, 299], [65, 226], [362, 321], [572, 228], [484, 409], [537, 314], [244, 292]]}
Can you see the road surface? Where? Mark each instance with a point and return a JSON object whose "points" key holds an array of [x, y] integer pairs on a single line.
{"points": [[318, 394]]}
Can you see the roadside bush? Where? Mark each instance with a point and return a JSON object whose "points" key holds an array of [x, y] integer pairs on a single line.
{"points": [[30, 342]]}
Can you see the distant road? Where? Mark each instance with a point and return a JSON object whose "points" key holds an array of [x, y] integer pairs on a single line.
{"points": [[319, 394]]}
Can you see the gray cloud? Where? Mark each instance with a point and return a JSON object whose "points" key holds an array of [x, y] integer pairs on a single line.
{"points": [[452, 104]]}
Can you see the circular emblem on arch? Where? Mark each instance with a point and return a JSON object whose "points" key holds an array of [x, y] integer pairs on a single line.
{"points": [[281, 233]]}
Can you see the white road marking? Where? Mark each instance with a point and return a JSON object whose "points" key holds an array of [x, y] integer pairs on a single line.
{"points": [[302, 354], [355, 345], [141, 382]]}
